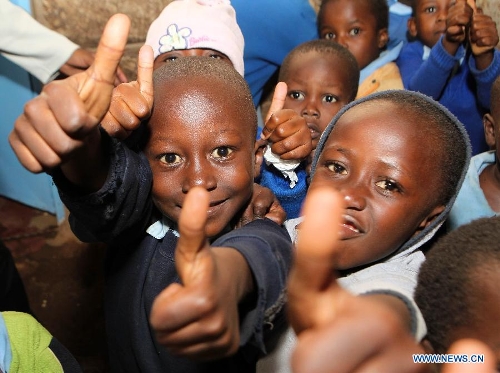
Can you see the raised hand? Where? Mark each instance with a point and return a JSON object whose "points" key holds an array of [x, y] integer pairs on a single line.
{"points": [[80, 60], [199, 318], [263, 204], [61, 123], [483, 36], [285, 129], [336, 330], [457, 21], [131, 102]]}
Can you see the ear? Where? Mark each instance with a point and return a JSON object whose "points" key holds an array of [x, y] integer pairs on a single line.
{"points": [[259, 157], [489, 130], [430, 217], [383, 38], [412, 27]]}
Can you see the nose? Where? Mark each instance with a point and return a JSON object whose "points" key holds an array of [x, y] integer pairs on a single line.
{"points": [[199, 173], [310, 109], [342, 40], [442, 14], [354, 196]]}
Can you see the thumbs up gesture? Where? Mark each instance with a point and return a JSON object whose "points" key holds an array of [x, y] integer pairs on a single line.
{"points": [[336, 330], [62, 122], [132, 102], [286, 129], [199, 317]]}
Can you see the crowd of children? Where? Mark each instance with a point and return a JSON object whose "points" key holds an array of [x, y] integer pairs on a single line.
{"points": [[367, 147]]}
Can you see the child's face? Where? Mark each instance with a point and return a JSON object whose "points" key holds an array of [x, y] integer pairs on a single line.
{"points": [[200, 138], [376, 159], [352, 24], [316, 91], [197, 52], [429, 21]]}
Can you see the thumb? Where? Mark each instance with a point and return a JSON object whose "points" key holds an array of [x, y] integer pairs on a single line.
{"points": [[313, 269], [192, 238], [471, 347], [95, 89], [472, 4], [145, 73], [277, 103]]}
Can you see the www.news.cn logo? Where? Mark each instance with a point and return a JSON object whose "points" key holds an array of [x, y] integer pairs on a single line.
{"points": [[448, 358]]}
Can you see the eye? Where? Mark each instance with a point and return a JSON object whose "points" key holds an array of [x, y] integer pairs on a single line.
{"points": [[296, 95], [330, 98], [170, 159], [388, 186], [329, 36], [221, 152], [170, 58], [431, 9], [216, 56], [337, 168], [355, 31]]}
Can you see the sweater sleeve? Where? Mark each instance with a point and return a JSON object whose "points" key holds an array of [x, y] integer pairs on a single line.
{"points": [[431, 76], [268, 251], [485, 78], [122, 209], [26, 42]]}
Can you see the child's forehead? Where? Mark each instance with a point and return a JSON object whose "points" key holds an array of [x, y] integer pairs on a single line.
{"points": [[202, 99]]}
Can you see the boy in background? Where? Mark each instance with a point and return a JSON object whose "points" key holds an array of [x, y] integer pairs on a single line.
{"points": [[362, 27], [321, 77], [480, 193], [173, 302], [453, 60]]}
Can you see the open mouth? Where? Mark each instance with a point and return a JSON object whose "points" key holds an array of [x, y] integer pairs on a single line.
{"points": [[350, 228]]}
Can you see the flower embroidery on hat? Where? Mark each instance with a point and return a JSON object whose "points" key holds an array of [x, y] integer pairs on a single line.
{"points": [[175, 38]]}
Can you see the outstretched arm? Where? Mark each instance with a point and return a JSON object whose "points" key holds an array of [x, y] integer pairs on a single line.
{"points": [[199, 318], [59, 128], [202, 317]]}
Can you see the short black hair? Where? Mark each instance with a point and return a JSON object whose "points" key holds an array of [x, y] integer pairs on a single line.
{"points": [[327, 48], [379, 8], [219, 73], [446, 280]]}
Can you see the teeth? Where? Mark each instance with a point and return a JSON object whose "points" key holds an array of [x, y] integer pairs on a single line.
{"points": [[351, 227]]}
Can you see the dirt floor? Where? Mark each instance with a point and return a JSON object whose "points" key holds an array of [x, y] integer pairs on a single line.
{"points": [[63, 278]]}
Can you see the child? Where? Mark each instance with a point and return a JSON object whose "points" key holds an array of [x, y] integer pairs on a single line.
{"points": [[396, 194], [184, 28], [203, 302], [439, 65], [361, 26], [457, 288], [321, 77], [479, 196]]}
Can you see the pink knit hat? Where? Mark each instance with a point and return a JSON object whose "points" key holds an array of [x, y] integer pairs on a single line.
{"points": [[193, 24]]}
